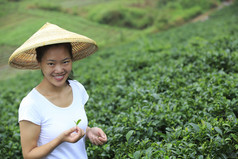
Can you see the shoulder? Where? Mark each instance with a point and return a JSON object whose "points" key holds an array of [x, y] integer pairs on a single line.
{"points": [[75, 83], [29, 99], [29, 109], [80, 91]]}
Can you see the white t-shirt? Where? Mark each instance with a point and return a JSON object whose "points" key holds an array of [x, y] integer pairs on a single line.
{"points": [[54, 120]]}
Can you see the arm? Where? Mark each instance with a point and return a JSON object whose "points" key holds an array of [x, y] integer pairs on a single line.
{"points": [[96, 136], [29, 136]]}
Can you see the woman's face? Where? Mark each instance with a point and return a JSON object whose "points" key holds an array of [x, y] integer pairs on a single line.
{"points": [[56, 65]]}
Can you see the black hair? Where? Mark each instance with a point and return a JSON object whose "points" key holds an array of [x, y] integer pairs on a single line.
{"points": [[40, 51]]}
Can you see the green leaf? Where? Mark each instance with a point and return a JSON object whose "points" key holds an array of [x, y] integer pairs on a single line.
{"points": [[209, 126], [228, 139], [236, 146], [195, 126], [128, 135], [77, 122], [130, 155], [169, 145], [149, 152], [150, 131], [234, 137], [218, 130], [137, 154]]}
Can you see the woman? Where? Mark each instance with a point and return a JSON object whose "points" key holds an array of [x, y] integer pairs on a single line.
{"points": [[48, 113]]}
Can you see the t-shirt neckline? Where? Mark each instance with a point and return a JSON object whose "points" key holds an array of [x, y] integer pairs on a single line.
{"points": [[52, 104]]}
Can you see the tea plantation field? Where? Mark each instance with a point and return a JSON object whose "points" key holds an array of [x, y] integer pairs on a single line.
{"points": [[173, 94]]}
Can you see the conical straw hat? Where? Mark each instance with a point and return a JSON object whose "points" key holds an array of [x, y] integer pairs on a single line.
{"points": [[25, 56]]}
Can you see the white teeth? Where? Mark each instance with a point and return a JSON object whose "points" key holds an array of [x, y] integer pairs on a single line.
{"points": [[59, 77]]}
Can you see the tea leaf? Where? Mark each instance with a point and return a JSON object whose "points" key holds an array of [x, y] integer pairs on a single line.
{"points": [[218, 130], [77, 122], [128, 135]]}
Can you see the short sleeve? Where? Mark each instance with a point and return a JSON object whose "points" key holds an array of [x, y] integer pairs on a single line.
{"points": [[28, 111], [83, 93]]}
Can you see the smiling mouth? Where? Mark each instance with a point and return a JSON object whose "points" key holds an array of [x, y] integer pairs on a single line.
{"points": [[59, 78]]}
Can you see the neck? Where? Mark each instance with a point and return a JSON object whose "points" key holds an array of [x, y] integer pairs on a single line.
{"points": [[49, 89]]}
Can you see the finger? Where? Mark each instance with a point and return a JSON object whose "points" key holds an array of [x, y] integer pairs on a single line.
{"points": [[79, 131], [94, 140], [105, 136], [82, 133], [68, 132], [100, 132], [102, 139], [97, 142], [74, 137], [77, 136]]}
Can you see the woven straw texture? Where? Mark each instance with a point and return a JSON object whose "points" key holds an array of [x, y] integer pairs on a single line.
{"points": [[25, 56]]}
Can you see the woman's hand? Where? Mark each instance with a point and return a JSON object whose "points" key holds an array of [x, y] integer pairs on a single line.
{"points": [[72, 135], [96, 136], [29, 139]]}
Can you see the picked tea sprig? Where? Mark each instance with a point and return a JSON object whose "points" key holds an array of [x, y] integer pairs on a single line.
{"points": [[77, 123]]}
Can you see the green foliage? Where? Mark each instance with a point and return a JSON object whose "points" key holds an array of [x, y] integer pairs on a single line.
{"points": [[167, 95], [202, 3], [122, 17], [159, 15], [19, 20], [46, 6], [172, 95], [7, 7], [10, 98], [77, 122]]}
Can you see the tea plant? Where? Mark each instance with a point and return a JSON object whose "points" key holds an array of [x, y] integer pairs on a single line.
{"points": [[77, 122], [169, 95]]}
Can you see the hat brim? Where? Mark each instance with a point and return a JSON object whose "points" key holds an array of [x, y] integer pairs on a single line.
{"points": [[25, 56]]}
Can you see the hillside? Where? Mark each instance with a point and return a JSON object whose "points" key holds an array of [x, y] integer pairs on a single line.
{"points": [[172, 94], [19, 19]]}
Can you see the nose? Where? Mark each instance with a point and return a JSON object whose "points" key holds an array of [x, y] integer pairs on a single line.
{"points": [[58, 69]]}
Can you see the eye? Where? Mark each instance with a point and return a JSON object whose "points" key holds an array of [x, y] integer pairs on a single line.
{"points": [[66, 62], [50, 64]]}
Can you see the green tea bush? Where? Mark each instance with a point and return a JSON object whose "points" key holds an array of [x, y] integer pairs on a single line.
{"points": [[158, 15], [122, 17], [169, 95], [10, 98], [203, 3], [46, 6], [172, 95]]}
